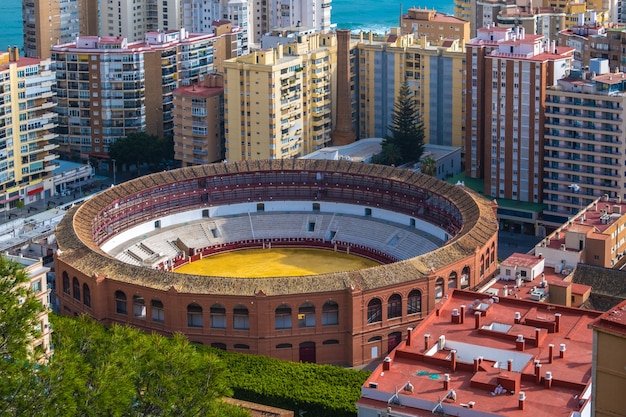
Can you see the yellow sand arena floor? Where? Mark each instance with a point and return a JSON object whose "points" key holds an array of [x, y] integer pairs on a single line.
{"points": [[275, 262]]}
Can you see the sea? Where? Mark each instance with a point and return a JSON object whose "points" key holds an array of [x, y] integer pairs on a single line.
{"points": [[367, 15]]}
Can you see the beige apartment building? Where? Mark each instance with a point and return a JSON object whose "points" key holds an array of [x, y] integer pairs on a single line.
{"points": [[48, 23], [434, 71], [584, 140], [434, 25], [27, 119], [108, 88], [278, 102], [199, 122], [132, 19]]}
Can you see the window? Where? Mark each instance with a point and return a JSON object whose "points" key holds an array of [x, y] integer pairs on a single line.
{"points": [[452, 280], [120, 303], [86, 295], [158, 314], [282, 317], [465, 277], [306, 315], [330, 313], [330, 342], [241, 320], [66, 283], [284, 346], [218, 316], [139, 307], [194, 315], [414, 302], [374, 311], [394, 306], [76, 288], [438, 289], [241, 346], [220, 346]]}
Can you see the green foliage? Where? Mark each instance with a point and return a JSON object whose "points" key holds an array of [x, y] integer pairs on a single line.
{"points": [[406, 131], [429, 166], [121, 371], [141, 148], [320, 390], [19, 204]]}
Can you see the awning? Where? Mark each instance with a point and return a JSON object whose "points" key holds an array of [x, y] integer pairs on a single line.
{"points": [[35, 190]]}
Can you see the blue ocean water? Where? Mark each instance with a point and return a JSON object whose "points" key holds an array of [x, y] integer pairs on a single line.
{"points": [[11, 24], [374, 15]]}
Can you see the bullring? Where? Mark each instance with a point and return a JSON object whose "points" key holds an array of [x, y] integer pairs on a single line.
{"points": [[342, 318]]}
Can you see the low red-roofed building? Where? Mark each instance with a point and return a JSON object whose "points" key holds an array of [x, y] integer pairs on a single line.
{"points": [[434, 25], [477, 355], [609, 363]]}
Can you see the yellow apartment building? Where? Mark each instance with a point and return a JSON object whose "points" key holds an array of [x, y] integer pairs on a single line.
{"points": [[434, 25], [433, 70], [278, 102]]}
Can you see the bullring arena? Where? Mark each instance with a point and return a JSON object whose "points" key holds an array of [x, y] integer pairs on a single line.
{"points": [[117, 252]]}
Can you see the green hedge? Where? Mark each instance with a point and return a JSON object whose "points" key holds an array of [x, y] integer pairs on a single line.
{"points": [[320, 390]]}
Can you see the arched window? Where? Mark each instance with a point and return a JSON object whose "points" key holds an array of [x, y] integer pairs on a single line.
{"points": [[282, 317], [218, 316], [438, 289], [139, 307], [493, 252], [241, 346], [452, 280], [330, 313], [306, 315], [221, 346], [330, 342], [482, 265], [86, 295], [66, 283], [158, 313], [414, 302], [487, 259], [374, 311], [375, 339], [194, 315], [394, 306], [284, 346], [120, 303], [465, 278], [241, 319], [76, 288]]}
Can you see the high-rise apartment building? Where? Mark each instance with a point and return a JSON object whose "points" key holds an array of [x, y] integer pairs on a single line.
{"points": [[48, 23], [278, 102], [430, 23], [269, 15], [584, 140], [132, 19], [108, 88], [199, 122], [434, 72], [505, 99], [201, 15], [26, 122]]}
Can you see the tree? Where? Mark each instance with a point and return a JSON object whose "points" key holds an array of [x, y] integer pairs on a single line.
{"points": [[406, 131], [429, 166], [19, 310], [389, 155], [142, 148]]}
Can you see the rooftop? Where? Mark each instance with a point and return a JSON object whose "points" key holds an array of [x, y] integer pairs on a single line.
{"points": [[612, 321], [489, 349]]}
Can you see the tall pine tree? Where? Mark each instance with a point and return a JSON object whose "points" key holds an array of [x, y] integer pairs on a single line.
{"points": [[406, 131]]}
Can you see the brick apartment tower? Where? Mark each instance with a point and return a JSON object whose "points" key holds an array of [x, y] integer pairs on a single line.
{"points": [[344, 133]]}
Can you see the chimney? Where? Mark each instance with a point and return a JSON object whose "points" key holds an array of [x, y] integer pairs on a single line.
{"points": [[453, 360], [537, 334], [518, 317], [520, 343], [456, 319], [562, 351], [446, 382], [426, 340], [344, 133], [462, 314], [509, 365], [386, 363], [477, 320], [548, 380], [550, 353], [409, 333], [521, 400], [476, 364], [441, 343], [557, 319], [538, 373]]}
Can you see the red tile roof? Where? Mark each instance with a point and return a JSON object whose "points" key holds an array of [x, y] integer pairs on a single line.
{"points": [[613, 321], [540, 325]]}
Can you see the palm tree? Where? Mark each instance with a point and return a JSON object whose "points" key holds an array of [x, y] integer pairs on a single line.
{"points": [[429, 166]]}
